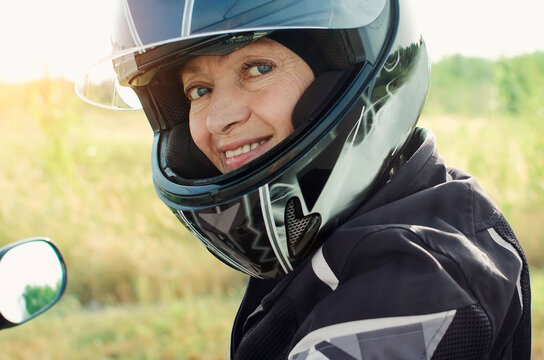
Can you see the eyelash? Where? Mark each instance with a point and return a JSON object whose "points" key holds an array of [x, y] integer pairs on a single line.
{"points": [[190, 89], [247, 66], [244, 69]]}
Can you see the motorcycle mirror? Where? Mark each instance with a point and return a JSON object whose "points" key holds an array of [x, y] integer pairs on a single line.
{"points": [[32, 279]]}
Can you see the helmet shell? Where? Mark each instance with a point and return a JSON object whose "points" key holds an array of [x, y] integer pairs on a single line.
{"points": [[266, 216]]}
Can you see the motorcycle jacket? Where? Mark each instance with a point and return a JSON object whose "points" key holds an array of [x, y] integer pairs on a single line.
{"points": [[427, 268]]}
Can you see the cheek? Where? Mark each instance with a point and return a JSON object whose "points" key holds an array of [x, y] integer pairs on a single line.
{"points": [[199, 133], [203, 139], [276, 106]]}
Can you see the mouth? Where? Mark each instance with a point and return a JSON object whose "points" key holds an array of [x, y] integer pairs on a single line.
{"points": [[241, 155], [229, 154]]}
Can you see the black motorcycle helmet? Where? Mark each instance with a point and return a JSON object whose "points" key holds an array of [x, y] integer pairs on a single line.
{"points": [[372, 75]]}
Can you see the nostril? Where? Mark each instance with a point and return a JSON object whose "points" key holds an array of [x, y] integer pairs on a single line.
{"points": [[227, 127]]}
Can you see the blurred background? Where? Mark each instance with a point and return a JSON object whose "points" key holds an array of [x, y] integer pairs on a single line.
{"points": [[139, 286]]}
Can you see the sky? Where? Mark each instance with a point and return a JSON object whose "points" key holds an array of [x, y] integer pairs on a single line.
{"points": [[62, 37]]}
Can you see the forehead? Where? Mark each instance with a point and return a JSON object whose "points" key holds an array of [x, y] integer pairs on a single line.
{"points": [[262, 47]]}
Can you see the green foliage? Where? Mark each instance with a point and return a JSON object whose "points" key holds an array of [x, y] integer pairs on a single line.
{"points": [[519, 82], [39, 297], [479, 87], [462, 86]]}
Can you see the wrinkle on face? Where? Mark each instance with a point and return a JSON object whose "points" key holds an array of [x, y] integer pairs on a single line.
{"points": [[238, 109]]}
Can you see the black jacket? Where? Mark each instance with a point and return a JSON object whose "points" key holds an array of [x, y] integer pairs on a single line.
{"points": [[428, 268]]}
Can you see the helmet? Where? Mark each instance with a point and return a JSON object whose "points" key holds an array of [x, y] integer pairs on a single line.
{"points": [[351, 123]]}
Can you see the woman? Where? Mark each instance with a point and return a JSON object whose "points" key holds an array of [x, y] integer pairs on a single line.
{"points": [[285, 141]]}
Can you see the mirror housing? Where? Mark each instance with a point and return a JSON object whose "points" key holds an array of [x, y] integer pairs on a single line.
{"points": [[32, 279]]}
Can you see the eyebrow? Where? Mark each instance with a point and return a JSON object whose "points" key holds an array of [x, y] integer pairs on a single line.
{"points": [[188, 69]]}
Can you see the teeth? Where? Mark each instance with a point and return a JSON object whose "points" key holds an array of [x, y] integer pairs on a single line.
{"points": [[243, 149]]}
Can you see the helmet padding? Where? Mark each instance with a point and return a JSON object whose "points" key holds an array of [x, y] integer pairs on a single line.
{"points": [[184, 157]]}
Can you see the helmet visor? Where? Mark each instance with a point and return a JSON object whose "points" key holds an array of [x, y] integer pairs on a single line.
{"points": [[139, 25]]}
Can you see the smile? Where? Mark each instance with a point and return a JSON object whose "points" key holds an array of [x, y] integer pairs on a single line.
{"points": [[243, 149]]}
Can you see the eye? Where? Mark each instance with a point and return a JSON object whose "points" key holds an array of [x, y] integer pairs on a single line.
{"points": [[196, 92], [257, 69]]}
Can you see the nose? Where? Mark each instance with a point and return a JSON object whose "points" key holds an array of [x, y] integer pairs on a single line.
{"points": [[227, 110]]}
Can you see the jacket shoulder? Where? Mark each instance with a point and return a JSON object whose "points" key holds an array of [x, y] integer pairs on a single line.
{"points": [[398, 282]]}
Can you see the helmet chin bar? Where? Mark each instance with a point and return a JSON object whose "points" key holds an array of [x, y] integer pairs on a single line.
{"points": [[286, 232], [236, 234], [211, 247]]}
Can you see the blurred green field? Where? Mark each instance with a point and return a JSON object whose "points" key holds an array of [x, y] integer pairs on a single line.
{"points": [[139, 286]]}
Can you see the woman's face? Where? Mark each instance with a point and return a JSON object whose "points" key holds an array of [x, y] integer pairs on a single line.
{"points": [[241, 103]]}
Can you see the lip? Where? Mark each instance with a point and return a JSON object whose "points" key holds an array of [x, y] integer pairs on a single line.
{"points": [[235, 162]]}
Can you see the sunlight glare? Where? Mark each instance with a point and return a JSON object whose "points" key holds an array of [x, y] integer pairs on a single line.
{"points": [[54, 38], [63, 37]]}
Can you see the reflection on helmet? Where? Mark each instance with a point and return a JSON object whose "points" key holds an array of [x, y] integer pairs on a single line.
{"points": [[350, 124]]}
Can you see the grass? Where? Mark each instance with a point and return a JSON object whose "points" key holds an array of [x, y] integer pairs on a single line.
{"points": [[537, 289], [196, 328]]}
